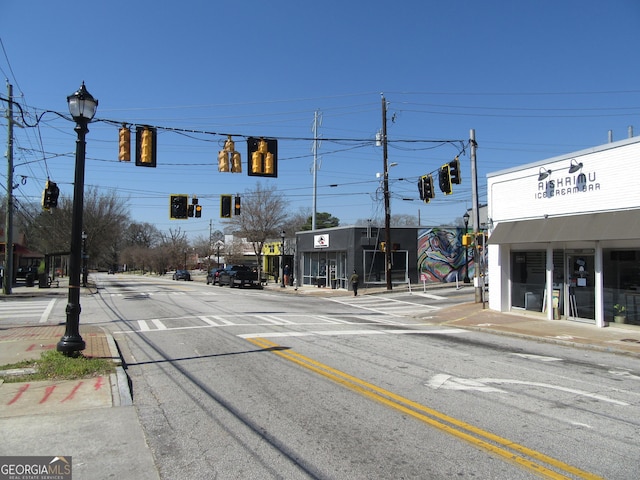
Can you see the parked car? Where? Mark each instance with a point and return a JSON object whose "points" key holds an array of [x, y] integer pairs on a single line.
{"points": [[182, 275], [212, 276], [24, 271], [239, 276]]}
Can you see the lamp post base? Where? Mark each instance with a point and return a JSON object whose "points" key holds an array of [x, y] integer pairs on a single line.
{"points": [[69, 345]]}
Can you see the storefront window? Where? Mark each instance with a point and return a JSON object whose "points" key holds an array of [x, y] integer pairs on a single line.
{"points": [[528, 279], [325, 269], [621, 281], [374, 262]]}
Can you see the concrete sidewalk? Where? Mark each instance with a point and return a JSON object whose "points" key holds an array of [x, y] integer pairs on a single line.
{"points": [[93, 420]]}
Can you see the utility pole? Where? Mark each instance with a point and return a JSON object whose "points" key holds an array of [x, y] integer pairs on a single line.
{"points": [[209, 251], [387, 207], [477, 280], [7, 279], [317, 120]]}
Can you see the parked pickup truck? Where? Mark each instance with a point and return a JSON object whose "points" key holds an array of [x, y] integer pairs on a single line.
{"points": [[238, 276]]}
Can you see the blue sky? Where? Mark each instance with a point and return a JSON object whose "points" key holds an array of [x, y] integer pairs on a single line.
{"points": [[535, 79]]}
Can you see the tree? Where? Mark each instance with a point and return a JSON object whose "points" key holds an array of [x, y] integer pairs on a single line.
{"points": [[263, 215], [175, 245], [295, 222], [142, 235], [403, 220], [105, 218], [323, 220]]}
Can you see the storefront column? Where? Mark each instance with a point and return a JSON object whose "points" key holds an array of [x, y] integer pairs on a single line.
{"points": [[549, 282], [599, 287]]}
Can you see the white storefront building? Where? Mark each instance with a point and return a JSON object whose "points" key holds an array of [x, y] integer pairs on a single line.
{"points": [[564, 236]]}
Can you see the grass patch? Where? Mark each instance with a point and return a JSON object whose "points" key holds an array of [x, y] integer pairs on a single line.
{"points": [[53, 365]]}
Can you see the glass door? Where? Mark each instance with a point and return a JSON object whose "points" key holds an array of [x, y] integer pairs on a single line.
{"points": [[580, 286]]}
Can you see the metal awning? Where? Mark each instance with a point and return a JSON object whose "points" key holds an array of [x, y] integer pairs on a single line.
{"points": [[620, 225]]}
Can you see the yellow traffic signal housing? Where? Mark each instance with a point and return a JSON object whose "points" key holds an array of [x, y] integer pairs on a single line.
{"points": [[223, 161], [383, 246], [124, 153], [198, 211], [145, 147], [228, 158], [467, 240], [263, 157]]}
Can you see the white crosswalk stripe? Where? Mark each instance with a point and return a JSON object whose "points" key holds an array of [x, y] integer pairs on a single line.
{"points": [[156, 293], [253, 320], [37, 310], [388, 305]]}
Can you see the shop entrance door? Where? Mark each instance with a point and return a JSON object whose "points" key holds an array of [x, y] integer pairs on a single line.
{"points": [[580, 285]]}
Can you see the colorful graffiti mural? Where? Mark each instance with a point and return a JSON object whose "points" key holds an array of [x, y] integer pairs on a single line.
{"points": [[441, 255]]}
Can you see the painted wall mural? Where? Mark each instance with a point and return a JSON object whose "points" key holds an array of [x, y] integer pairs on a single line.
{"points": [[441, 255]]}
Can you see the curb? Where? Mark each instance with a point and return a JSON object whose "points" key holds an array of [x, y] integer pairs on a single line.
{"points": [[120, 390], [551, 340]]}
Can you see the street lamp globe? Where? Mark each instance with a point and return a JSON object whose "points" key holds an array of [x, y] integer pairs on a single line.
{"points": [[82, 105], [465, 219]]}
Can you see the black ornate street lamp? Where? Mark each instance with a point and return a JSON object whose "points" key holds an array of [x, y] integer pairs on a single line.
{"points": [[282, 235], [465, 218], [82, 107]]}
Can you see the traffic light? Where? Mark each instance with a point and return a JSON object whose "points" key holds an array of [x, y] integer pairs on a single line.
{"points": [[191, 210], [383, 246], [262, 157], [124, 154], [429, 192], [195, 208], [454, 171], [228, 158], [236, 206], [481, 240], [50, 195], [445, 179], [178, 209], [425, 187], [145, 147], [225, 206]]}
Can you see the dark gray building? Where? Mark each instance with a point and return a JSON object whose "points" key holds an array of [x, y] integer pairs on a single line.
{"points": [[329, 256]]}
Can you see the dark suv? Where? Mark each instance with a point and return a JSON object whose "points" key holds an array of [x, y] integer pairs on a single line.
{"points": [[182, 275]]}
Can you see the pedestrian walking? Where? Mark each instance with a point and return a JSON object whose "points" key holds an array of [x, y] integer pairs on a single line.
{"points": [[285, 274], [355, 280]]}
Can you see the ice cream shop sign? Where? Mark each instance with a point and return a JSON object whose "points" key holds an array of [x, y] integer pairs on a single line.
{"points": [[579, 183]]}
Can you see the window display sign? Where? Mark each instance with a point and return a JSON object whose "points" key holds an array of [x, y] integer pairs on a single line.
{"points": [[321, 241]]}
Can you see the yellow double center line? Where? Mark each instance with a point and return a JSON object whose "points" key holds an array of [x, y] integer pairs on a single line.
{"points": [[527, 458]]}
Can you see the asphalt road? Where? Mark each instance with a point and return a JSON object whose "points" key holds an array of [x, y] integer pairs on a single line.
{"points": [[232, 383]]}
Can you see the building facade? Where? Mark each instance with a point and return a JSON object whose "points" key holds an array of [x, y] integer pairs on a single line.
{"points": [[565, 236], [328, 257]]}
